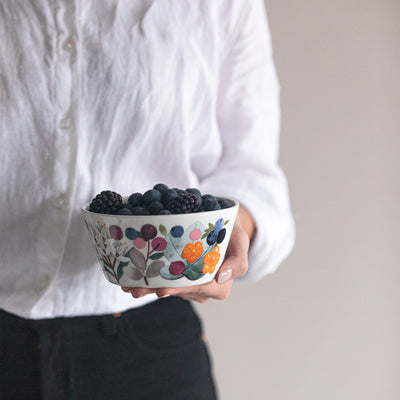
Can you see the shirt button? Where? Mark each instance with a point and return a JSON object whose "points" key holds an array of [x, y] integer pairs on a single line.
{"points": [[66, 124], [69, 44], [59, 201]]}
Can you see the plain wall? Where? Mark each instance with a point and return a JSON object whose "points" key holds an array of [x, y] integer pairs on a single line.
{"points": [[326, 325]]}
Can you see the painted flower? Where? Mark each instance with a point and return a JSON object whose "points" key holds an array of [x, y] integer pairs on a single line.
{"points": [[119, 251]]}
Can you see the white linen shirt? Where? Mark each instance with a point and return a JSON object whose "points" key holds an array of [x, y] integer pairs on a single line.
{"points": [[120, 95]]}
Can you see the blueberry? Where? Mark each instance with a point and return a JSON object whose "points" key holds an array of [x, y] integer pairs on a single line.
{"points": [[165, 212], [160, 187], [211, 238], [140, 210], [221, 235], [131, 233], [151, 195], [124, 211], [177, 231], [209, 197], [225, 203], [210, 203], [127, 205], [155, 207], [168, 196], [135, 199]]}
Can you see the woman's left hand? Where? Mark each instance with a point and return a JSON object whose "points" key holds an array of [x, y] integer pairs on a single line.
{"points": [[234, 266]]}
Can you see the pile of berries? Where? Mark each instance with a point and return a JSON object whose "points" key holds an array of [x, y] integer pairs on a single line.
{"points": [[161, 200]]}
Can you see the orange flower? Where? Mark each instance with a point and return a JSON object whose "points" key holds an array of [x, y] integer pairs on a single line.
{"points": [[211, 260], [192, 252]]}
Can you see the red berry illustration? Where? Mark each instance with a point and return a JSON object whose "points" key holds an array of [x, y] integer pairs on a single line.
{"points": [[148, 232], [158, 244], [176, 268], [116, 232]]}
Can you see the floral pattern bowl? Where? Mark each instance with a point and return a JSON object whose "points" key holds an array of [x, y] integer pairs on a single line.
{"points": [[156, 251]]}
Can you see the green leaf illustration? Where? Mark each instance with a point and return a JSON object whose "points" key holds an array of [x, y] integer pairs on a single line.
{"points": [[120, 271], [156, 256], [211, 227], [204, 235], [197, 266], [193, 275], [162, 229], [226, 222]]}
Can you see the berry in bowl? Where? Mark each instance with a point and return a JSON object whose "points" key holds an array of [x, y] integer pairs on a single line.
{"points": [[160, 238]]}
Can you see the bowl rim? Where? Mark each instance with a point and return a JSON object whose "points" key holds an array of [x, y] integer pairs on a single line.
{"points": [[84, 210]]}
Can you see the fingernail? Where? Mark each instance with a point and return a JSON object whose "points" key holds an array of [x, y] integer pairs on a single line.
{"points": [[224, 276], [165, 295], [125, 289]]}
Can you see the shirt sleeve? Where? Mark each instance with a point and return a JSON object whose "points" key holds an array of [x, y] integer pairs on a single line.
{"points": [[248, 115]]}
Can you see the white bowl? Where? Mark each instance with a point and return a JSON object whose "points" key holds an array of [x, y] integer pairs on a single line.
{"points": [[154, 251]]}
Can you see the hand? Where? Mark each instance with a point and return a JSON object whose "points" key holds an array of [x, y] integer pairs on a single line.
{"points": [[234, 266]]}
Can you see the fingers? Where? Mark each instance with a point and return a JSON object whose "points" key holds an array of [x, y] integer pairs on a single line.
{"points": [[236, 263], [234, 266]]}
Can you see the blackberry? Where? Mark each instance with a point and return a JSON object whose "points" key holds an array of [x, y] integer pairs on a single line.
{"points": [[184, 203], [179, 191], [194, 191], [106, 202]]}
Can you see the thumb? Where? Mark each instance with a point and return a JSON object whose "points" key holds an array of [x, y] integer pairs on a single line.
{"points": [[235, 264], [233, 267]]}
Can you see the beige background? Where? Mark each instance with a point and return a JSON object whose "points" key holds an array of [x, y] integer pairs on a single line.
{"points": [[326, 325]]}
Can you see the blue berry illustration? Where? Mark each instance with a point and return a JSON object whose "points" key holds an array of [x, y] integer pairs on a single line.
{"points": [[131, 233], [221, 235], [177, 231], [211, 238]]}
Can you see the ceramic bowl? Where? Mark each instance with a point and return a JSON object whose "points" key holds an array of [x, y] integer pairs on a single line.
{"points": [[155, 251]]}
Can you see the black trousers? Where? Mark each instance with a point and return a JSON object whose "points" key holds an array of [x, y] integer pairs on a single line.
{"points": [[152, 352]]}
